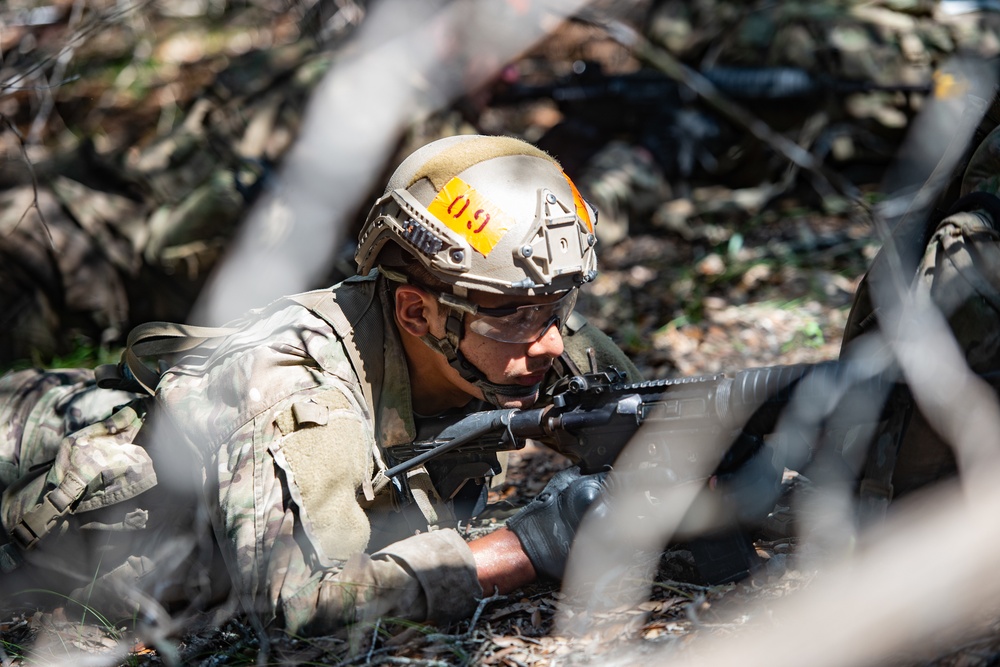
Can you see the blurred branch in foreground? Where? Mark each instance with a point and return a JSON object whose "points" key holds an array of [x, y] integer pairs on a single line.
{"points": [[896, 565], [387, 79]]}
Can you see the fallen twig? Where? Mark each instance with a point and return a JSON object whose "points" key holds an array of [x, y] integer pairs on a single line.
{"points": [[479, 610]]}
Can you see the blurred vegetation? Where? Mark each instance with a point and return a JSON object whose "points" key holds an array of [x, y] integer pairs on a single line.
{"points": [[136, 135]]}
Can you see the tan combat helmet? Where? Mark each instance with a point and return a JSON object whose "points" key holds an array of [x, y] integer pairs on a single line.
{"points": [[491, 214]]}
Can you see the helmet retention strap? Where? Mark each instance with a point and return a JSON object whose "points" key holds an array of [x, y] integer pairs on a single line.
{"points": [[449, 347]]}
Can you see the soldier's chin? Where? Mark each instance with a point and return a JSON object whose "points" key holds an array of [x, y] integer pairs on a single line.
{"points": [[519, 402]]}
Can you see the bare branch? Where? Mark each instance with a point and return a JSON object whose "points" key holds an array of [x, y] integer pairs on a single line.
{"points": [[58, 73], [34, 182], [88, 28]]}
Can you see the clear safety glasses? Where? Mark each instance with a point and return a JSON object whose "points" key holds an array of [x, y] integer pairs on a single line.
{"points": [[517, 324]]}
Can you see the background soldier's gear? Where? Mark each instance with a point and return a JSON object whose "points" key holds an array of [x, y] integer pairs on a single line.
{"points": [[547, 526], [130, 234], [960, 274]]}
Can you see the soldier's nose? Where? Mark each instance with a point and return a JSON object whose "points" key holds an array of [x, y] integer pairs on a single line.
{"points": [[549, 344]]}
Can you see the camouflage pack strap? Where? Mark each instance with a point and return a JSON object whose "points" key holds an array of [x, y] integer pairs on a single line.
{"points": [[970, 261], [876, 491], [153, 339], [43, 517], [359, 327], [346, 313]]}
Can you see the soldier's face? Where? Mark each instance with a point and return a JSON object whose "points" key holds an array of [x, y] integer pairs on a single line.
{"points": [[524, 364]]}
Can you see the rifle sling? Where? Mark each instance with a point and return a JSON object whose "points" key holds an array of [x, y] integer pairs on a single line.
{"points": [[876, 491]]}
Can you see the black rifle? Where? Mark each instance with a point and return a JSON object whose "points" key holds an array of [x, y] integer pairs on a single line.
{"points": [[657, 112], [719, 420], [744, 84], [591, 417]]}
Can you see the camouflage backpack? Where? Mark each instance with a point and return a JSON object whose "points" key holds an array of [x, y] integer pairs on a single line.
{"points": [[959, 271], [71, 477]]}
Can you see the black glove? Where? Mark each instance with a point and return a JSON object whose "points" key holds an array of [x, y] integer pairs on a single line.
{"points": [[547, 525]]}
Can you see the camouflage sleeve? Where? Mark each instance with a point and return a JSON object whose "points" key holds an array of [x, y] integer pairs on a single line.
{"points": [[291, 490], [427, 577]]}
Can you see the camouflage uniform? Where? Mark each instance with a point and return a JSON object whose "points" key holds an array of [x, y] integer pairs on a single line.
{"points": [[958, 271], [289, 449]]}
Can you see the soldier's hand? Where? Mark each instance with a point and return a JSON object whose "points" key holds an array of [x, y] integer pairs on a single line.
{"points": [[547, 526]]}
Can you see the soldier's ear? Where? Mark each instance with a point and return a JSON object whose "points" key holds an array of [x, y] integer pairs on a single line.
{"points": [[414, 308]]}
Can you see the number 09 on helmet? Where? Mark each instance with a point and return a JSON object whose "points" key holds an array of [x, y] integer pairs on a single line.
{"points": [[489, 214]]}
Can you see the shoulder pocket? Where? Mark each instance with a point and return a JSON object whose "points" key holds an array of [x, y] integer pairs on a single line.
{"points": [[325, 450]]}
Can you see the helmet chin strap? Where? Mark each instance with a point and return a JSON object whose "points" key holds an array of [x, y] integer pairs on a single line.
{"points": [[448, 346]]}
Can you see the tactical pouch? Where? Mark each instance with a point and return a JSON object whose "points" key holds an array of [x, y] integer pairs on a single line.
{"points": [[39, 408], [324, 451]]}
